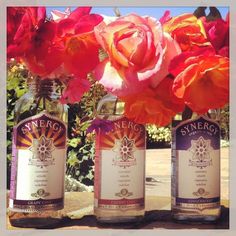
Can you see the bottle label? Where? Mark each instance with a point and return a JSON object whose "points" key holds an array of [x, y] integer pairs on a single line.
{"points": [[196, 164], [120, 166], [38, 164]]}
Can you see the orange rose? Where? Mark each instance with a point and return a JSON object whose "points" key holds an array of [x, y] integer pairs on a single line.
{"points": [[188, 31], [154, 106], [202, 79]]}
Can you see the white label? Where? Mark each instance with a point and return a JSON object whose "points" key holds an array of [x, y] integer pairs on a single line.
{"points": [[115, 179], [197, 182], [32, 178]]}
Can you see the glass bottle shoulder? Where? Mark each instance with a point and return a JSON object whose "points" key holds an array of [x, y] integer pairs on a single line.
{"points": [[110, 107], [30, 105]]}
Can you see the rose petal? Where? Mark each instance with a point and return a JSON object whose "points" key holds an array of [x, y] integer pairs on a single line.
{"points": [[78, 48], [171, 50], [75, 90], [133, 18], [65, 26], [183, 60], [109, 77], [166, 17], [79, 12], [87, 23], [146, 108]]}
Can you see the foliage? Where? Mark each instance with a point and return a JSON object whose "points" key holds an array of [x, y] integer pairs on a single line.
{"points": [[81, 146], [159, 135], [224, 123], [16, 87]]}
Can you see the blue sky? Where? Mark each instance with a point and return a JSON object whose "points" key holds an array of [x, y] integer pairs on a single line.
{"points": [[156, 12]]}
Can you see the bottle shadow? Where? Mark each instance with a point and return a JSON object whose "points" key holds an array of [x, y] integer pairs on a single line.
{"points": [[156, 219]]}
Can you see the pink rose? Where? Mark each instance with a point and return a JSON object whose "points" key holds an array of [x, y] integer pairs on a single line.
{"points": [[138, 51]]}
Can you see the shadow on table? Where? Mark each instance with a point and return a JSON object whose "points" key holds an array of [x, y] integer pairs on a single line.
{"points": [[153, 219]]}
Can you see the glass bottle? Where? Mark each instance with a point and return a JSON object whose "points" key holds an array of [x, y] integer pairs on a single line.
{"points": [[38, 157], [119, 166], [195, 179]]}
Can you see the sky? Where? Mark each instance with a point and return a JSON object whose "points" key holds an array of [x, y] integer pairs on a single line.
{"points": [[156, 12]]}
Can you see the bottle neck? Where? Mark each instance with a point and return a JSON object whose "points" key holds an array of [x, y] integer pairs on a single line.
{"points": [[110, 105], [188, 114], [44, 87]]}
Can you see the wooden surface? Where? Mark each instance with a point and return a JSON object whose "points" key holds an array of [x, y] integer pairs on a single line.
{"points": [[78, 214]]}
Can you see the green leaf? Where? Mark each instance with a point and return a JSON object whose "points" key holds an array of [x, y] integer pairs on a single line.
{"points": [[72, 158], [74, 142]]}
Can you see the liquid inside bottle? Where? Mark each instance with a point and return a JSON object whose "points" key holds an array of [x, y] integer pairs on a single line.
{"points": [[119, 166], [195, 179], [38, 157]]}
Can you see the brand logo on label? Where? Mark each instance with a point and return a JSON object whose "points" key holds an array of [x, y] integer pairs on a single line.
{"points": [[42, 152], [124, 193], [201, 192], [124, 149], [41, 193], [200, 150]]}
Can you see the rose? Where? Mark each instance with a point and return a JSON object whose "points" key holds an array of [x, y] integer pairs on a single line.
{"points": [[22, 25], [74, 90], [66, 47], [218, 34], [187, 30], [154, 105], [201, 79], [33, 40], [44, 56], [138, 54], [75, 34], [14, 17], [46, 46]]}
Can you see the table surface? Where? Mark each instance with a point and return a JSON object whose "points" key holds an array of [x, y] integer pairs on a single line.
{"points": [[78, 214]]}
